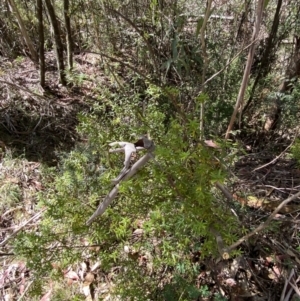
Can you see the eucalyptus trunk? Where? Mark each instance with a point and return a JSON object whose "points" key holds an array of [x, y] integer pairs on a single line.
{"points": [[39, 6], [205, 63], [69, 34], [24, 32], [268, 54], [244, 84], [58, 43]]}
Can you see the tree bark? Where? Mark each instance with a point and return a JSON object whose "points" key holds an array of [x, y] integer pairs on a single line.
{"points": [[205, 64], [58, 43], [267, 57], [293, 70], [39, 6], [240, 98], [69, 34], [24, 32], [6, 41]]}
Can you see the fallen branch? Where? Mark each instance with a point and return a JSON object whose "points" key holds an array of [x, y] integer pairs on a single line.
{"points": [[265, 224], [124, 176], [286, 286], [23, 89], [225, 191], [36, 216], [277, 157]]}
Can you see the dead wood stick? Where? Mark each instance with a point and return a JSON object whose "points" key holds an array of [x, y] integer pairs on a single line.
{"points": [[114, 192], [265, 224], [23, 89], [36, 216], [225, 191], [277, 157]]}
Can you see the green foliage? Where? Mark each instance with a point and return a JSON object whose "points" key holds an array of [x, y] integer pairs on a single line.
{"points": [[75, 78], [173, 197], [10, 191], [151, 70], [266, 2], [10, 194], [290, 104], [219, 297], [295, 149], [181, 289], [67, 294]]}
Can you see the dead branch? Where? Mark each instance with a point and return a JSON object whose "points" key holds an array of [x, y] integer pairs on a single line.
{"points": [[36, 216], [262, 226], [277, 157], [23, 89], [124, 176]]}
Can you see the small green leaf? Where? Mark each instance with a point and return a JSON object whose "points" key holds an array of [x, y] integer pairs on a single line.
{"points": [[202, 98]]}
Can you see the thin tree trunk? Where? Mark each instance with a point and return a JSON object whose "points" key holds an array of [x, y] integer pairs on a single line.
{"points": [[69, 35], [24, 32], [6, 41], [39, 6], [240, 98], [58, 43], [292, 72], [267, 56], [293, 69], [205, 64]]}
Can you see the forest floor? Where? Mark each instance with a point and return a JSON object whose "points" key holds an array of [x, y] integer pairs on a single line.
{"points": [[34, 130]]}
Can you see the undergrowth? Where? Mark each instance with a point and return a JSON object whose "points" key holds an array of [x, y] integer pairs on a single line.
{"points": [[172, 200]]}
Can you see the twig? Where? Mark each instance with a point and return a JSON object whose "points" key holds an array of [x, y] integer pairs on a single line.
{"points": [[25, 291], [23, 89], [124, 175], [6, 254], [277, 157], [224, 190], [286, 284], [10, 211], [295, 287], [265, 224], [36, 216], [228, 64], [281, 189], [134, 69], [37, 124]]}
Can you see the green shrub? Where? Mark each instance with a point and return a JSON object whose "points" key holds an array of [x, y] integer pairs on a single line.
{"points": [[295, 149], [172, 198]]}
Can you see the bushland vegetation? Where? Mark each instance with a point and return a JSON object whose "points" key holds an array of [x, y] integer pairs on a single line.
{"points": [[214, 214]]}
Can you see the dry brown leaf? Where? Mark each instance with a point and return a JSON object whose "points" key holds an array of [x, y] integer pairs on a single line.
{"points": [[37, 185], [89, 278], [230, 282], [71, 275], [211, 143], [138, 232], [47, 296], [86, 290]]}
